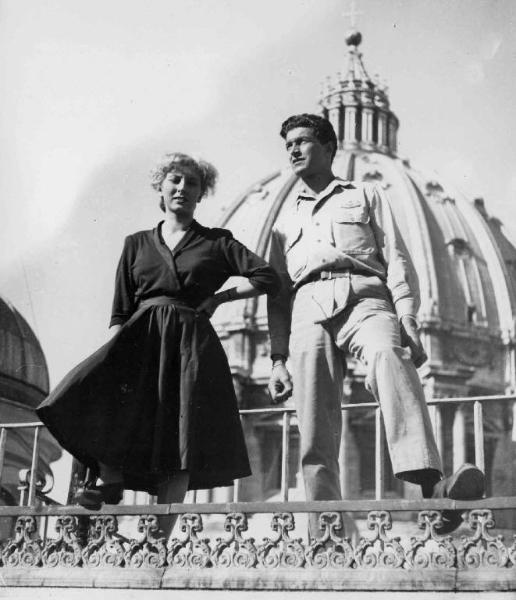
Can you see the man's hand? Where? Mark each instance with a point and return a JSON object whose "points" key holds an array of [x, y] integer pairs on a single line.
{"points": [[410, 338], [280, 384]]}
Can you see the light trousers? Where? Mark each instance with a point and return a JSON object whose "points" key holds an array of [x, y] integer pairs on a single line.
{"points": [[368, 329]]}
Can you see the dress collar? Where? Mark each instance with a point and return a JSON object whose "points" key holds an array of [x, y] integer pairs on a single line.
{"points": [[191, 230]]}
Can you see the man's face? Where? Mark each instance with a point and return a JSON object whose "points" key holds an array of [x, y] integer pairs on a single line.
{"points": [[307, 155]]}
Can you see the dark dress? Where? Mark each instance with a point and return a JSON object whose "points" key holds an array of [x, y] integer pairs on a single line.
{"points": [[158, 397]]}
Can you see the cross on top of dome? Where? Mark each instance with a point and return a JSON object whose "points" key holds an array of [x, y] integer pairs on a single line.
{"points": [[353, 36], [352, 13]]}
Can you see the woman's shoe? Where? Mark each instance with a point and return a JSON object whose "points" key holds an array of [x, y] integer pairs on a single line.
{"points": [[95, 496]]}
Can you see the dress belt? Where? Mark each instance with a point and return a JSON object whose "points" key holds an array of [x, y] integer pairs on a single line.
{"points": [[324, 275], [163, 301]]}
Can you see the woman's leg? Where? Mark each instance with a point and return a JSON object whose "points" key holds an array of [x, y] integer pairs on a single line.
{"points": [[169, 492]]}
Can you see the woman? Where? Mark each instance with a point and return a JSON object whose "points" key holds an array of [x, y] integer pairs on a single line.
{"points": [[154, 409]]}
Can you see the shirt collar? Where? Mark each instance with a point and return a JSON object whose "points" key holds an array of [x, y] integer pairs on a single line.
{"points": [[337, 182]]}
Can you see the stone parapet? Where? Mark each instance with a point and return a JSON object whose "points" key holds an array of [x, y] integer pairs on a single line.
{"points": [[88, 550]]}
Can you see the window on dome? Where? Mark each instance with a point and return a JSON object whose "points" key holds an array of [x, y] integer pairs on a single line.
{"points": [[471, 313], [460, 247]]}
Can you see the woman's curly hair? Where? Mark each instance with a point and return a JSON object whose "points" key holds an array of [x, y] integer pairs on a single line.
{"points": [[207, 172]]}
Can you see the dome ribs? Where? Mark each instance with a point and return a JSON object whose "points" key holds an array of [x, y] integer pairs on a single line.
{"points": [[240, 201], [484, 245], [449, 296], [409, 207], [22, 360]]}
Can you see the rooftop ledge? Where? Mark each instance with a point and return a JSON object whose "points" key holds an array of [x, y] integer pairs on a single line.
{"points": [[72, 547]]}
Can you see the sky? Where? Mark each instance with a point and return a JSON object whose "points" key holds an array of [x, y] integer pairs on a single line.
{"points": [[94, 92]]}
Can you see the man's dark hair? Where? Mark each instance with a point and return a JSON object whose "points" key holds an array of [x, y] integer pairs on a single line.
{"points": [[322, 128]]}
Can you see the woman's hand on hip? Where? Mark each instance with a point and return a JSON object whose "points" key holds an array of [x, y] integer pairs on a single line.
{"points": [[208, 306]]}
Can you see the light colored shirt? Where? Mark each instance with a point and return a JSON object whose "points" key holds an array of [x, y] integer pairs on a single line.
{"points": [[346, 226]]}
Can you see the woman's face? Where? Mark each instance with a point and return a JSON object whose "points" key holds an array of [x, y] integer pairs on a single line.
{"points": [[181, 190]]}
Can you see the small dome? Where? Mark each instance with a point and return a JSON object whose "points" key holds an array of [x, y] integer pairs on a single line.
{"points": [[23, 368]]}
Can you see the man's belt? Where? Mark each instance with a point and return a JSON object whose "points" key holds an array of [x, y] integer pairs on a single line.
{"points": [[323, 276]]}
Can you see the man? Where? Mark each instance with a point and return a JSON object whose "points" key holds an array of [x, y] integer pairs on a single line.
{"points": [[349, 286]]}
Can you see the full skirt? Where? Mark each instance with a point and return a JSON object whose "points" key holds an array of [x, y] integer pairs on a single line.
{"points": [[157, 398]]}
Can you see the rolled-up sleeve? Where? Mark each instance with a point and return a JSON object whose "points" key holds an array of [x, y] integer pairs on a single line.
{"points": [[245, 263], [279, 309], [124, 297], [402, 279]]}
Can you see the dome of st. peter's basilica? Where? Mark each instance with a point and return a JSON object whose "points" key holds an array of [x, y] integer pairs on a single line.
{"points": [[467, 277]]}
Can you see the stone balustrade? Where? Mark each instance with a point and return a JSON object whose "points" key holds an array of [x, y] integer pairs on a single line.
{"points": [[87, 548]]}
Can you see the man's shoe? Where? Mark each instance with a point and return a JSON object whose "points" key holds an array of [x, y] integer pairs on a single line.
{"points": [[95, 496], [467, 483]]}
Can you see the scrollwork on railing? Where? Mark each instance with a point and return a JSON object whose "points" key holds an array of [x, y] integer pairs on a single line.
{"points": [[65, 551], [104, 548], [25, 549], [482, 549], [330, 550], [282, 550], [431, 550], [379, 551], [235, 551], [191, 551], [512, 552], [148, 550]]}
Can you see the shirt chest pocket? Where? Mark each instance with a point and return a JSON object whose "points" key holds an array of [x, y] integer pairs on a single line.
{"points": [[351, 228]]}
